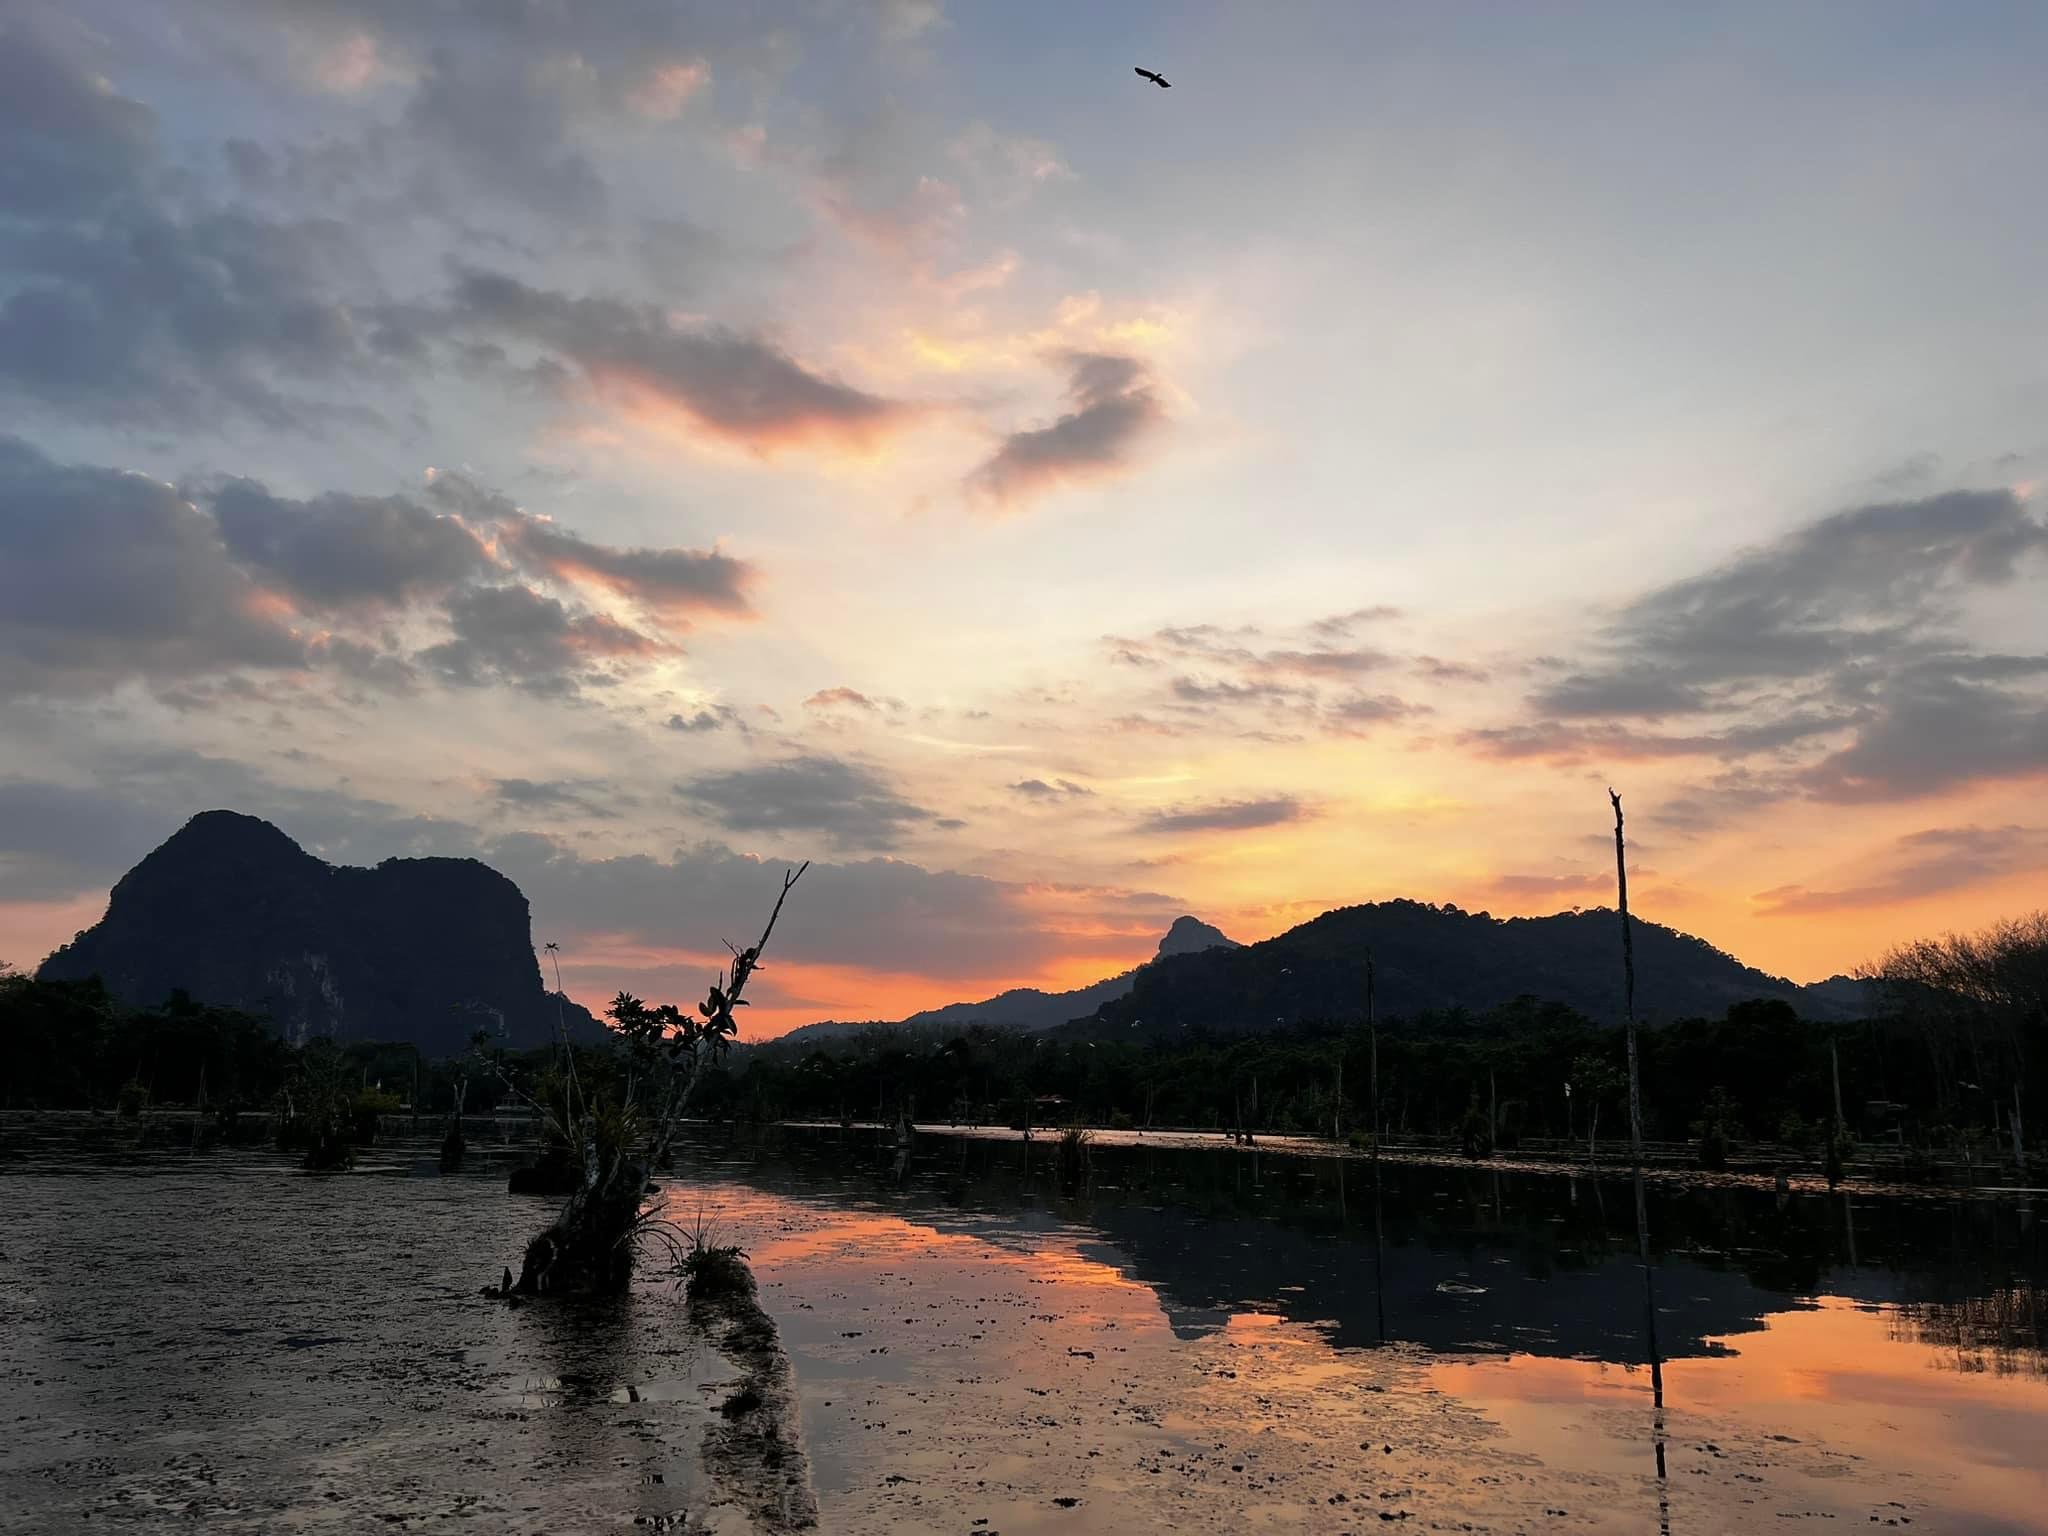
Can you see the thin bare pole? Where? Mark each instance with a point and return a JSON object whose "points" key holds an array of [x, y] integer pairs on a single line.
{"points": [[1635, 1136], [1379, 1237]]}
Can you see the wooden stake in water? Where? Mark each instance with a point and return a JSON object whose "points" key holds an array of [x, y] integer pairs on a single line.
{"points": [[1379, 1239], [1635, 1130]]}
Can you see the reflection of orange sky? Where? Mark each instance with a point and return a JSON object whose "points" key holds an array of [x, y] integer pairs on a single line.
{"points": [[1830, 1375], [859, 1241]]}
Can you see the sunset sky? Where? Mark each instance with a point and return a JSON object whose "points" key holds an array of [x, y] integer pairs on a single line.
{"points": [[641, 444]]}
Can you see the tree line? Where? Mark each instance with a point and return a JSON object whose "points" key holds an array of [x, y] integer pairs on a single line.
{"points": [[1947, 1064]]}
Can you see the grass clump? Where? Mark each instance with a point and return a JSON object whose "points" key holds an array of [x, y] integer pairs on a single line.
{"points": [[716, 1272]]}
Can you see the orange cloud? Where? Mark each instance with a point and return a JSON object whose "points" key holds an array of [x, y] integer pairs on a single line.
{"points": [[667, 88]]}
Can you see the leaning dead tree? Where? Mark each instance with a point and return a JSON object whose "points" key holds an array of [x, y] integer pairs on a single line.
{"points": [[617, 1116]]}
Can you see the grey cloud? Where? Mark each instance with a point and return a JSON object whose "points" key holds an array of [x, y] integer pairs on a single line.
{"points": [[1190, 690], [1326, 663], [716, 717], [1845, 627], [504, 132], [735, 386], [106, 576], [151, 318], [1115, 407], [59, 839], [119, 303], [1244, 669], [1648, 694], [336, 550], [676, 582], [365, 664], [1914, 469], [1858, 587], [575, 796], [1924, 864], [1338, 625], [71, 142], [509, 101], [1438, 670], [1930, 733], [1361, 709], [253, 165], [849, 805], [515, 635], [1571, 742], [1228, 816]]}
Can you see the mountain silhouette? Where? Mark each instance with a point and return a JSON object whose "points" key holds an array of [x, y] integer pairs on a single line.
{"points": [[1028, 1008], [1190, 936], [235, 913], [1439, 958]]}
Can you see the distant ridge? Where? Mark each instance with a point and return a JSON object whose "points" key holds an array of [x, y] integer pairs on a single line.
{"points": [[1440, 958], [234, 912], [1027, 1008]]}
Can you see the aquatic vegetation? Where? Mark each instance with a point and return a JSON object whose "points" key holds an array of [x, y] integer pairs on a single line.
{"points": [[133, 1099], [1073, 1152]]}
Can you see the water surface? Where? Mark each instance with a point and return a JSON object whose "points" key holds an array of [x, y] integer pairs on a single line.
{"points": [[1163, 1338]]}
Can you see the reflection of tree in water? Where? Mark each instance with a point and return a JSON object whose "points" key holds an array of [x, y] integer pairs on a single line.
{"points": [[2004, 1332], [1214, 1231]]}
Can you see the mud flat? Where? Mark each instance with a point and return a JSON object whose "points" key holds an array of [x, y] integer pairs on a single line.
{"points": [[223, 1343]]}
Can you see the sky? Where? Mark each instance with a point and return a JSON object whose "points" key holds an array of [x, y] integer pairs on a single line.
{"points": [[647, 444]]}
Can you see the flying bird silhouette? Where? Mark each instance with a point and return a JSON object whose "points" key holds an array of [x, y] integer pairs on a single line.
{"points": [[1157, 79]]}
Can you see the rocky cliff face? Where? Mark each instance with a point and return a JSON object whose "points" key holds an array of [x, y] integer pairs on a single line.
{"points": [[1190, 936], [234, 912]]}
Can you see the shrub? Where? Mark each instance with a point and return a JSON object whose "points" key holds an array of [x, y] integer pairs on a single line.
{"points": [[369, 1105], [1794, 1131], [1074, 1142], [713, 1272]]}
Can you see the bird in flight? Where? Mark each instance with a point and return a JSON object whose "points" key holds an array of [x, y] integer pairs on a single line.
{"points": [[1157, 79]]}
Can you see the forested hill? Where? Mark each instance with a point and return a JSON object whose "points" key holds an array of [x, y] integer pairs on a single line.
{"points": [[1438, 958], [233, 912]]}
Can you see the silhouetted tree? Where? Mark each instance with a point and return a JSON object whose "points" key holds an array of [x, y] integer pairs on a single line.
{"points": [[619, 1119]]}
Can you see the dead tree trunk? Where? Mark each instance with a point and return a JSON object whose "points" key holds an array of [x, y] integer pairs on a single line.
{"points": [[1635, 1119]]}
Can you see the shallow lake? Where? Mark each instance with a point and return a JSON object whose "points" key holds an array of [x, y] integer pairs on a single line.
{"points": [[1166, 1338]]}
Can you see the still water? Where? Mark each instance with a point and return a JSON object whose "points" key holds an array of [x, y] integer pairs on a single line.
{"points": [[1166, 1338]]}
